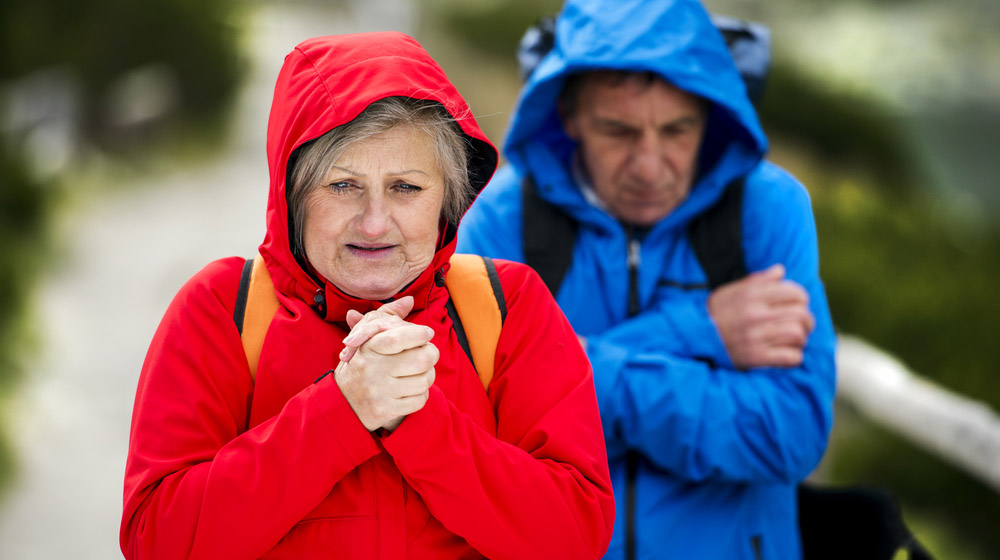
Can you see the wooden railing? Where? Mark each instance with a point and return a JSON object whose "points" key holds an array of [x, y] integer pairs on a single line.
{"points": [[961, 430]]}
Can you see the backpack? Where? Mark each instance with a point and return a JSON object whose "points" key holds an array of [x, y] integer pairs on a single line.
{"points": [[475, 301]]}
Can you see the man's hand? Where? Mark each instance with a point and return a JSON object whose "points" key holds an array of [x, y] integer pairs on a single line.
{"points": [[390, 373], [763, 319]]}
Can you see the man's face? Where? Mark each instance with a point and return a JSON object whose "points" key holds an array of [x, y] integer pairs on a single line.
{"points": [[639, 142]]}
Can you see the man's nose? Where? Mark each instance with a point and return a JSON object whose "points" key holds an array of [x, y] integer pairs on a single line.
{"points": [[647, 163], [375, 219]]}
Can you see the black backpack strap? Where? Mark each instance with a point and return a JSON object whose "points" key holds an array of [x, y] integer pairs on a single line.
{"points": [[491, 271], [548, 236], [456, 322], [858, 521], [241, 295], [717, 237]]}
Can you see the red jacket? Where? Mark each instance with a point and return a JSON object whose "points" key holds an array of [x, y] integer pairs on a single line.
{"points": [[222, 467]]}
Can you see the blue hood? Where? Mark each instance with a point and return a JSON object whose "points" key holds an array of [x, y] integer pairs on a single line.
{"points": [[675, 39]]}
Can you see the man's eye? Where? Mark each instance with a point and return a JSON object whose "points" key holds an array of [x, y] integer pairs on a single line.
{"points": [[618, 132]]}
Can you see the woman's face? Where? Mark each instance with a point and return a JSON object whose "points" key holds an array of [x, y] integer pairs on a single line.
{"points": [[371, 226]]}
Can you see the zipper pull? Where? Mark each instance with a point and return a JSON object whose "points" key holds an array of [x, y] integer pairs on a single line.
{"points": [[633, 261], [320, 300], [634, 254]]}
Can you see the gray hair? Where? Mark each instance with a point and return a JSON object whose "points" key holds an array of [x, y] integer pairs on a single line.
{"points": [[316, 158]]}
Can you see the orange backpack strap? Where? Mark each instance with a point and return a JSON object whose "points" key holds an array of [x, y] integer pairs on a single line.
{"points": [[256, 304], [477, 309]]}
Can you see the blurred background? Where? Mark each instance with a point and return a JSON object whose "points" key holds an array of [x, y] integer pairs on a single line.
{"points": [[132, 153]]}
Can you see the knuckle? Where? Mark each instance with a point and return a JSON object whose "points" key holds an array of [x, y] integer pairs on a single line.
{"points": [[426, 360], [359, 361]]}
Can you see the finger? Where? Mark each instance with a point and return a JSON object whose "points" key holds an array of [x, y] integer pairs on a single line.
{"points": [[412, 385], [784, 292], [790, 333], [784, 356], [347, 353], [409, 405], [789, 309], [400, 308], [398, 339], [770, 274], [354, 317], [372, 324]]}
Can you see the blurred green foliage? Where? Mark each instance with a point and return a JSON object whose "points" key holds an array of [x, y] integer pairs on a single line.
{"points": [[24, 209], [100, 41], [493, 28], [91, 47], [902, 269]]}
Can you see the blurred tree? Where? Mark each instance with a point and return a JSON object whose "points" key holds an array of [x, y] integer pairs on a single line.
{"points": [[75, 77], [24, 205], [493, 28], [99, 44]]}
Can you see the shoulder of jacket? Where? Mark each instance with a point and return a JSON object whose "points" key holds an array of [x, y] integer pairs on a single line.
{"points": [[769, 187], [219, 279], [516, 277]]}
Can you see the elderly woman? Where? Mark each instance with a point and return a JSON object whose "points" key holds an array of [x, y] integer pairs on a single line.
{"points": [[366, 432]]}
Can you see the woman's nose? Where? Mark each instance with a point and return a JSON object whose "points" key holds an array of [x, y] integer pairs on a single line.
{"points": [[375, 219]]}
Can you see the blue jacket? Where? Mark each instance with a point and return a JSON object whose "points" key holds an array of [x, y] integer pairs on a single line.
{"points": [[722, 449]]}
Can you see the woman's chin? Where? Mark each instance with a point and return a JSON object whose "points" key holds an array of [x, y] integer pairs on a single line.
{"points": [[376, 288]]}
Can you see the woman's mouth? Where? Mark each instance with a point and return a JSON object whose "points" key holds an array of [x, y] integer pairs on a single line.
{"points": [[370, 251]]}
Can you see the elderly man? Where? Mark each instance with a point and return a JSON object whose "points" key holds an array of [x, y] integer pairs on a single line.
{"points": [[714, 373]]}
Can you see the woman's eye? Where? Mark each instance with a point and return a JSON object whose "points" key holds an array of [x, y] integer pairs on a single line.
{"points": [[340, 186], [407, 188]]}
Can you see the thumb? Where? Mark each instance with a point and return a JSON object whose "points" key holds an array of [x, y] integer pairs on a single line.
{"points": [[353, 317], [400, 308]]}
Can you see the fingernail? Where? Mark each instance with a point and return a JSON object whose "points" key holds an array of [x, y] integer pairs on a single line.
{"points": [[430, 331]]}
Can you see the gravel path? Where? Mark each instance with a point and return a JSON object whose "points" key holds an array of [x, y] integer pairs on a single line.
{"points": [[126, 255]]}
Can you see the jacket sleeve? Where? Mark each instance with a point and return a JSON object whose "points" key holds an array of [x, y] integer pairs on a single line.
{"points": [[197, 485], [540, 488], [699, 420]]}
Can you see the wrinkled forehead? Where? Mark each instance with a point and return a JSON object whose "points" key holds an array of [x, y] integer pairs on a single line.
{"points": [[606, 89]]}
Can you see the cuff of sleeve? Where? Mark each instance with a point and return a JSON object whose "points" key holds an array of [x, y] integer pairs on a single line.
{"points": [[343, 423], [700, 333], [414, 428], [608, 361]]}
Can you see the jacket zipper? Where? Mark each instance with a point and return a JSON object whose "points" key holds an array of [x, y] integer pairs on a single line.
{"points": [[755, 541], [631, 457]]}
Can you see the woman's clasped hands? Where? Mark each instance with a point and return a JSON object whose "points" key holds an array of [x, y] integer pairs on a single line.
{"points": [[386, 369]]}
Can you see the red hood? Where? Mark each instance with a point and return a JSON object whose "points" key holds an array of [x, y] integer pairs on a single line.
{"points": [[324, 83]]}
